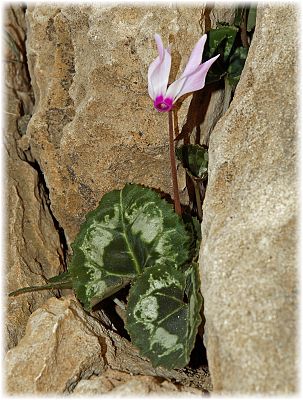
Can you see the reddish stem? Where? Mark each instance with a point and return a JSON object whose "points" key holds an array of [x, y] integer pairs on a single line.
{"points": [[173, 164]]}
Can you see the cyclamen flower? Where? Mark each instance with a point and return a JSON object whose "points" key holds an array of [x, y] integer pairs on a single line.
{"points": [[192, 79]]}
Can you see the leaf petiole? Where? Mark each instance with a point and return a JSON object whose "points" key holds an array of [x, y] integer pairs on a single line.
{"points": [[62, 281]]}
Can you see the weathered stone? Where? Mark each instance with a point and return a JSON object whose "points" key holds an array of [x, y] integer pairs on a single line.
{"points": [[33, 250], [94, 126], [58, 348], [116, 382], [65, 349], [93, 116], [248, 253]]}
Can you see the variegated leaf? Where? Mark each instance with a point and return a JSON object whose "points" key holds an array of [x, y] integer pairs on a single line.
{"points": [[131, 230], [163, 314], [194, 159]]}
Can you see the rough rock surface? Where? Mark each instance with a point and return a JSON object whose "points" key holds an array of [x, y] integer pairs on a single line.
{"points": [[94, 126], [33, 250], [66, 350], [91, 118], [120, 383], [248, 253], [79, 140]]}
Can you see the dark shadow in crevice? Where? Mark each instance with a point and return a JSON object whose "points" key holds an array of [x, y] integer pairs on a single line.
{"points": [[198, 357], [109, 308], [24, 93], [46, 203], [191, 131], [196, 113]]}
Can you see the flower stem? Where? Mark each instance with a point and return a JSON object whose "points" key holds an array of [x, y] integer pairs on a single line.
{"points": [[173, 164]]}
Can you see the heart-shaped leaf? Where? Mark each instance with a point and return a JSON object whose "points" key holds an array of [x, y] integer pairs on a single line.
{"points": [[194, 159], [131, 230], [219, 41], [222, 39], [163, 314]]}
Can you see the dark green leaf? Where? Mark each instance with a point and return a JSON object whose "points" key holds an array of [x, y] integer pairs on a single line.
{"points": [[163, 314], [131, 229], [194, 159], [236, 65], [219, 41], [195, 301], [193, 227]]}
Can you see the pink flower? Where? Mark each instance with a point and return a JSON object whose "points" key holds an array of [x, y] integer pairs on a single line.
{"points": [[192, 79]]}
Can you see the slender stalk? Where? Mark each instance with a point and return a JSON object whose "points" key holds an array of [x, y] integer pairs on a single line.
{"points": [[48, 286], [173, 164]]}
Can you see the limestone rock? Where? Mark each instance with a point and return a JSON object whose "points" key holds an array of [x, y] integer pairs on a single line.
{"points": [[120, 383], [94, 126], [249, 231], [66, 350], [58, 348], [33, 250]]}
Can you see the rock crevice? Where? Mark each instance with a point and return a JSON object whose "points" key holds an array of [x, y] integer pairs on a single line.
{"points": [[34, 251]]}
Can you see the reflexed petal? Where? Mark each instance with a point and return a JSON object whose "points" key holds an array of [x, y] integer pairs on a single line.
{"points": [[159, 44], [193, 63], [192, 82], [175, 88], [151, 70], [195, 58], [159, 77], [158, 71]]}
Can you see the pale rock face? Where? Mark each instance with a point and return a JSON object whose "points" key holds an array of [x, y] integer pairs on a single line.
{"points": [[66, 350], [249, 231], [94, 127], [58, 348], [116, 383], [33, 248]]}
